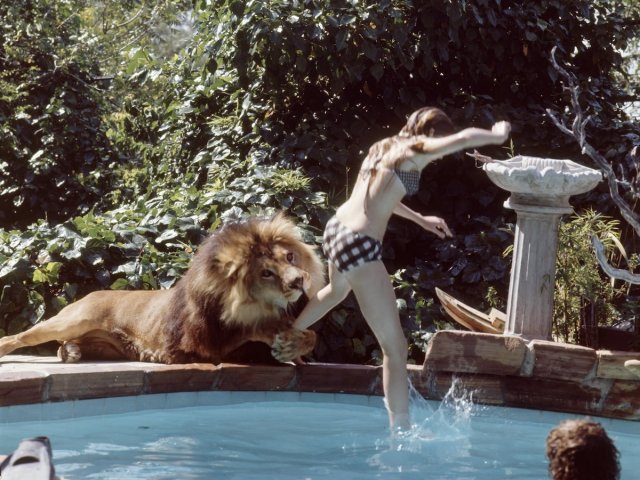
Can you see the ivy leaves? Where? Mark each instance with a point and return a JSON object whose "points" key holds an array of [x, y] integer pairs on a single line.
{"points": [[269, 106]]}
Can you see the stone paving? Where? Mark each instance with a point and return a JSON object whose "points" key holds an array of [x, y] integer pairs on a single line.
{"points": [[499, 370]]}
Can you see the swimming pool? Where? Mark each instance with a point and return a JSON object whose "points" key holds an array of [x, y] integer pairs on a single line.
{"points": [[288, 435]]}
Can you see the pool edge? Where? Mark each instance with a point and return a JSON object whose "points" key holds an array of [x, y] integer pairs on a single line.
{"points": [[500, 370]]}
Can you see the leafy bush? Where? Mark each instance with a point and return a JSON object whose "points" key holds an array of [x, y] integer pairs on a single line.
{"points": [[144, 245], [579, 279], [273, 105], [56, 159]]}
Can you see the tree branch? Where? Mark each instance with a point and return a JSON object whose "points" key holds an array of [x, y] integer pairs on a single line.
{"points": [[617, 273], [578, 132]]}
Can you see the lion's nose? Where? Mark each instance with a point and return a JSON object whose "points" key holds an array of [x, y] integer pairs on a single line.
{"points": [[296, 283]]}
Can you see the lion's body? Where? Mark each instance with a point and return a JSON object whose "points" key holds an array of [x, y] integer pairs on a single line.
{"points": [[242, 283]]}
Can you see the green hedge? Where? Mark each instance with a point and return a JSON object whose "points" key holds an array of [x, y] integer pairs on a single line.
{"points": [[272, 105]]}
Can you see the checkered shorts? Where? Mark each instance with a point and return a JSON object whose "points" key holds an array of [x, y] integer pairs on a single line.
{"points": [[347, 249]]}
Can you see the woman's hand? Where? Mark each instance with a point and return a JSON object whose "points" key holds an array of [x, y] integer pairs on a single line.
{"points": [[478, 157], [501, 130], [436, 225]]}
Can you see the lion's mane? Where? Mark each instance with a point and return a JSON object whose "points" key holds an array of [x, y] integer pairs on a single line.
{"points": [[219, 304]]}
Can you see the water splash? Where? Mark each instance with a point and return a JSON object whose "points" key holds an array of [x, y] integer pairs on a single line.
{"points": [[447, 421], [438, 430]]}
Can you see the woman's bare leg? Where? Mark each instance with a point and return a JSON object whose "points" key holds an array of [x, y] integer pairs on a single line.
{"points": [[283, 347], [377, 301], [328, 297]]}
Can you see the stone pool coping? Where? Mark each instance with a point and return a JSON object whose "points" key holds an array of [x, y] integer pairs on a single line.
{"points": [[501, 370]]}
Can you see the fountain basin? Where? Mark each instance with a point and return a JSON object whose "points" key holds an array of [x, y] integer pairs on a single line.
{"points": [[541, 181]]}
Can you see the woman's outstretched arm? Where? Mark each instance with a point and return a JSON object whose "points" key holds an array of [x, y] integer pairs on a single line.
{"points": [[430, 223], [421, 150]]}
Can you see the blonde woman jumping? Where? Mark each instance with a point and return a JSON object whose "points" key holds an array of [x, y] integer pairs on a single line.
{"points": [[353, 239]]}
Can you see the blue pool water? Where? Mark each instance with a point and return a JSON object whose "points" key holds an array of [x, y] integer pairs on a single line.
{"points": [[224, 435]]}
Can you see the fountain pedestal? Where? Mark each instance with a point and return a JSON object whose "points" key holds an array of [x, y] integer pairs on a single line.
{"points": [[540, 190], [530, 301]]}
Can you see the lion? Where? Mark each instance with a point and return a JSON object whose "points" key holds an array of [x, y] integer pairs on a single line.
{"points": [[244, 282]]}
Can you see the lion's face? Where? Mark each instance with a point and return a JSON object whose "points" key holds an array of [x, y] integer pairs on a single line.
{"points": [[277, 276], [256, 269]]}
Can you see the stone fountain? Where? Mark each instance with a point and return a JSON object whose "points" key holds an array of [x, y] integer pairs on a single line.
{"points": [[540, 190]]}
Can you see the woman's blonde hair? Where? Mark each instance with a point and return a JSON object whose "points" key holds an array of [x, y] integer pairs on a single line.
{"points": [[428, 121]]}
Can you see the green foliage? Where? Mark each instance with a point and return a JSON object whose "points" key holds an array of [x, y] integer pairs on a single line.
{"points": [[131, 148], [147, 244], [466, 266], [58, 157], [44, 268], [55, 156], [579, 279], [311, 85], [321, 81]]}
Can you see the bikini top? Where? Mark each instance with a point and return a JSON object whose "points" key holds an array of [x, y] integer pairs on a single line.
{"points": [[410, 180]]}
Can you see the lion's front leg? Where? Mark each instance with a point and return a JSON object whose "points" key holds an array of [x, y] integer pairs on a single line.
{"points": [[291, 344]]}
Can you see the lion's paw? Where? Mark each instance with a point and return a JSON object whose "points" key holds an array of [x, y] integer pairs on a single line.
{"points": [[69, 352], [292, 344]]}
